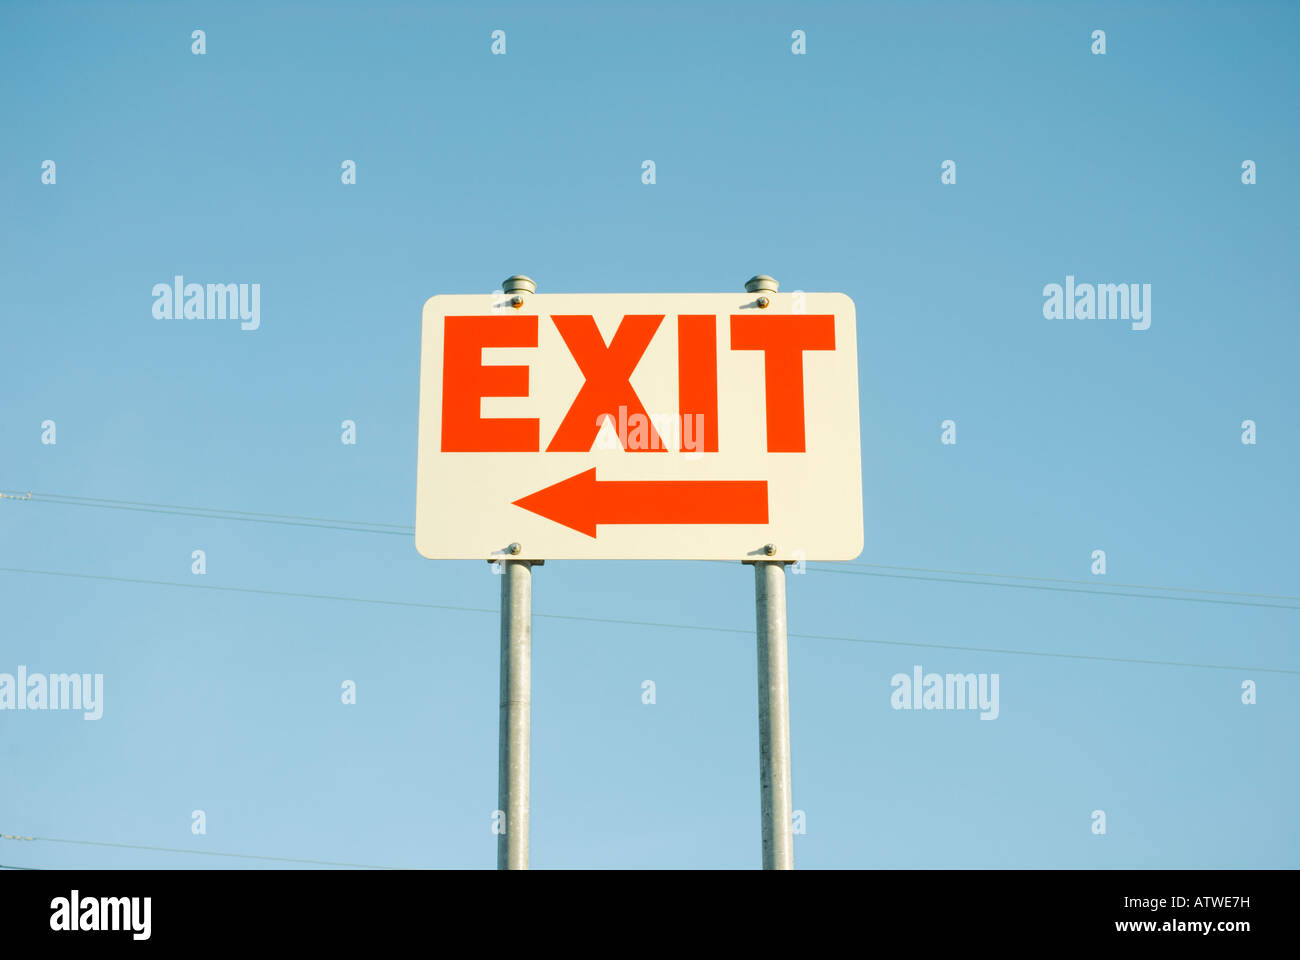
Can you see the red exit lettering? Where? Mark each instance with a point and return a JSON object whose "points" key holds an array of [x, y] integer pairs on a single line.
{"points": [[607, 371]]}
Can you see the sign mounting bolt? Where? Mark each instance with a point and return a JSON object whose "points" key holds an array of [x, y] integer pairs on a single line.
{"points": [[769, 549], [513, 549], [518, 285], [761, 284]]}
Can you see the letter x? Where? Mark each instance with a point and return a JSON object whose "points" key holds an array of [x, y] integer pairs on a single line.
{"points": [[607, 370]]}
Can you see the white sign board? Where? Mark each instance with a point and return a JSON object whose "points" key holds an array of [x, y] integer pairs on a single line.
{"points": [[639, 426]]}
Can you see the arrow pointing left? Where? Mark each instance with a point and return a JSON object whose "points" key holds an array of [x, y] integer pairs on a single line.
{"points": [[582, 502]]}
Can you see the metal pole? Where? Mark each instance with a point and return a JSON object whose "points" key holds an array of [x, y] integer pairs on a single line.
{"points": [[516, 703], [773, 716], [515, 728], [773, 682]]}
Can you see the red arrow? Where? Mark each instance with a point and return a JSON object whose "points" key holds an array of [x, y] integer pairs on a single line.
{"points": [[581, 502]]}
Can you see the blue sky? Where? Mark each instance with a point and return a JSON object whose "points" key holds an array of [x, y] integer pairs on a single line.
{"points": [[822, 170]]}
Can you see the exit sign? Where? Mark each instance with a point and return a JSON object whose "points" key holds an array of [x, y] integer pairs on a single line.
{"points": [[639, 426]]}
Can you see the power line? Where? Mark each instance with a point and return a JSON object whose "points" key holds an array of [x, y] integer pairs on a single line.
{"points": [[204, 853], [251, 513], [1015, 576], [212, 513], [393, 529], [1031, 586], [639, 623], [256, 590]]}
